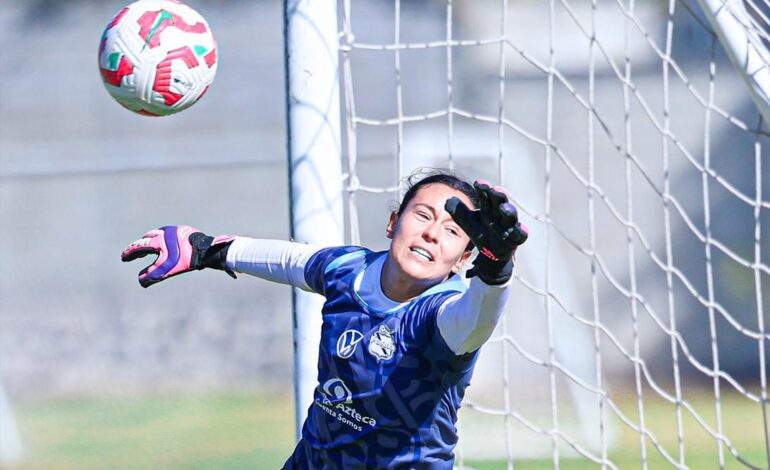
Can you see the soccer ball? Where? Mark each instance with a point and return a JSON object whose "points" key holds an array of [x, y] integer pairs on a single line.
{"points": [[157, 57]]}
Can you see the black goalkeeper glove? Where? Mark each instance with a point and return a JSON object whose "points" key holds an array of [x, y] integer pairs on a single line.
{"points": [[494, 230]]}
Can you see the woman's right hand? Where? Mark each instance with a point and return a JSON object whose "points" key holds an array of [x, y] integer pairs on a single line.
{"points": [[180, 248]]}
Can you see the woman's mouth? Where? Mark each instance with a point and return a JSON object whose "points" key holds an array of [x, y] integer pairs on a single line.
{"points": [[422, 253]]}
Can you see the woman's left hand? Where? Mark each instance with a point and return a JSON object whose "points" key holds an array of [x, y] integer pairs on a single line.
{"points": [[494, 229]]}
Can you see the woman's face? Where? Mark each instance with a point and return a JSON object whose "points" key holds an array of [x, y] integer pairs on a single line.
{"points": [[427, 245]]}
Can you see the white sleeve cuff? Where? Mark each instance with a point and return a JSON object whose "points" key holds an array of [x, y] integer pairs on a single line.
{"points": [[274, 260], [466, 321]]}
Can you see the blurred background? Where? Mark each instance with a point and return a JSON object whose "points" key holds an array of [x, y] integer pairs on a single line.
{"points": [[617, 289]]}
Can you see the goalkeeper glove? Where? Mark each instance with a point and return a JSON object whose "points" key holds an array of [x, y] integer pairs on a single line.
{"points": [[180, 249], [494, 229]]}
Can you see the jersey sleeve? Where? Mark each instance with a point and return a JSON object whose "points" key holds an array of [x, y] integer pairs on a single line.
{"points": [[467, 321], [273, 260], [422, 331], [324, 264]]}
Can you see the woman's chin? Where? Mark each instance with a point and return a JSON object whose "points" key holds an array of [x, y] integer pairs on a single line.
{"points": [[422, 273]]}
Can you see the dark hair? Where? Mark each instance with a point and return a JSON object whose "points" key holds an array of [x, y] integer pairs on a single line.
{"points": [[425, 176]]}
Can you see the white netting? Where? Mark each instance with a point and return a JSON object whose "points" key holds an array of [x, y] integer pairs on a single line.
{"points": [[636, 335]]}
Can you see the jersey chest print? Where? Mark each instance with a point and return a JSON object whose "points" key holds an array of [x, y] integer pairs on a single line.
{"points": [[382, 343]]}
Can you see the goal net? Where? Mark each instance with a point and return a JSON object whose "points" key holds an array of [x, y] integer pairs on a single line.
{"points": [[630, 135]]}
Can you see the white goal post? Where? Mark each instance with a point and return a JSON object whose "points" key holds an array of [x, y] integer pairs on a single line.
{"points": [[315, 175], [633, 137], [11, 450], [742, 37]]}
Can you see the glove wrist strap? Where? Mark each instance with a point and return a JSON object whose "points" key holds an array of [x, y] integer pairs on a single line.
{"points": [[493, 273], [210, 252]]}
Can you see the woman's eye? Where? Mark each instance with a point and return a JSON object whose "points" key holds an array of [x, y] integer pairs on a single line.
{"points": [[423, 215], [453, 231]]}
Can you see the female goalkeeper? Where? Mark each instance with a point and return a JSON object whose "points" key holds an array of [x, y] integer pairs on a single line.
{"points": [[401, 331]]}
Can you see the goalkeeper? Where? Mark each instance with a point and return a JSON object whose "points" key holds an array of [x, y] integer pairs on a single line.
{"points": [[401, 331]]}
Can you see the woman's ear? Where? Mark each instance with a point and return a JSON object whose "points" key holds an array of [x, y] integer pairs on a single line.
{"points": [[461, 261], [392, 222]]}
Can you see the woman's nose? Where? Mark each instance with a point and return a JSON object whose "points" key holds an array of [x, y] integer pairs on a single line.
{"points": [[430, 234]]}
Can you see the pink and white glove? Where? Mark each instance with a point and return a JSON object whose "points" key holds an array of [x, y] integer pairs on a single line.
{"points": [[180, 249]]}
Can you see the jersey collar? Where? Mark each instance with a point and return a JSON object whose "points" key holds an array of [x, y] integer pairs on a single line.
{"points": [[368, 292]]}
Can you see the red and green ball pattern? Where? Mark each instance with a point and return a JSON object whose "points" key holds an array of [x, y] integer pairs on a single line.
{"points": [[157, 57]]}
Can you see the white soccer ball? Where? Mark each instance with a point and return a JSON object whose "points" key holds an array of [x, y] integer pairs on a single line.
{"points": [[157, 57]]}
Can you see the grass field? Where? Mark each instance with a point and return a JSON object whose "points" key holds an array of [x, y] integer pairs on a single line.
{"points": [[245, 430], [228, 431]]}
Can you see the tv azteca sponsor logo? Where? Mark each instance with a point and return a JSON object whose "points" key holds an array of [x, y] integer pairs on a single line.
{"points": [[335, 389]]}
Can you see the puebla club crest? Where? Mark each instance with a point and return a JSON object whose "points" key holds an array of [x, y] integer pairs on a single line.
{"points": [[382, 344]]}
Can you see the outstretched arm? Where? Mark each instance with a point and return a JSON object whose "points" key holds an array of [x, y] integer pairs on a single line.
{"points": [[180, 249], [273, 260], [467, 320]]}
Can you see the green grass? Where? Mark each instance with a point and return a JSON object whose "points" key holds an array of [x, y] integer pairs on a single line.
{"points": [[246, 430], [742, 423], [226, 431]]}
